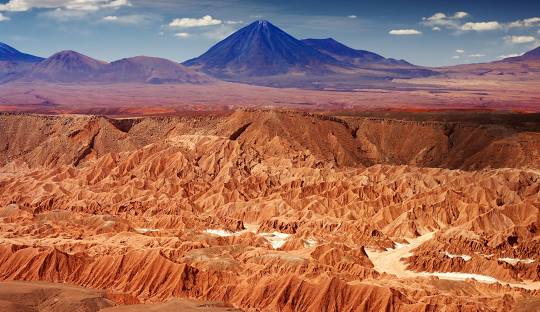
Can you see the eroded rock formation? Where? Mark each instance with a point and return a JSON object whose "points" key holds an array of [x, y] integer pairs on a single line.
{"points": [[272, 211]]}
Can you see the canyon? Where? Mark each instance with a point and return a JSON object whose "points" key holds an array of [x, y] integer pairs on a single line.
{"points": [[270, 210]]}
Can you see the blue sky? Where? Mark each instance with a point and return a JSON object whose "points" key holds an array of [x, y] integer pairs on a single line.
{"points": [[430, 33]]}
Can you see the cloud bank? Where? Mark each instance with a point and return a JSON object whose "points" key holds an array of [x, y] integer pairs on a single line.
{"points": [[75, 5]]}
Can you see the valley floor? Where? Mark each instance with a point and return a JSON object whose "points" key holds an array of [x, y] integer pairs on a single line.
{"points": [[421, 94]]}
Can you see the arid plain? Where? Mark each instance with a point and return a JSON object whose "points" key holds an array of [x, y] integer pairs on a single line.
{"points": [[421, 94]]}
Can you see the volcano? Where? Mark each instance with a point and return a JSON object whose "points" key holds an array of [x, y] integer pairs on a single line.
{"points": [[263, 54], [261, 49]]}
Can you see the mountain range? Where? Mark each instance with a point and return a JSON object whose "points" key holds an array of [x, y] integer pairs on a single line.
{"points": [[73, 67], [263, 50], [260, 54]]}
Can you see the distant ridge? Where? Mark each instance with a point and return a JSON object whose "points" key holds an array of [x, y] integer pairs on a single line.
{"points": [[150, 70], [346, 54], [74, 67]]}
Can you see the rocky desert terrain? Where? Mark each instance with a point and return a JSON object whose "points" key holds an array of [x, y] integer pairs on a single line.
{"points": [[269, 210]]}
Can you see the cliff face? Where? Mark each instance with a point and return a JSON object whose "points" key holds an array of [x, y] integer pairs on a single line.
{"points": [[272, 211], [347, 141]]}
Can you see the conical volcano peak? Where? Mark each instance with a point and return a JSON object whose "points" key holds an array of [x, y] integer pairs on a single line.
{"points": [[260, 49], [264, 26]]}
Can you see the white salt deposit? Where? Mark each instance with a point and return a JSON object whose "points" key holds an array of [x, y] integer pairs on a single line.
{"points": [[514, 261], [277, 239], [222, 233], [464, 257], [145, 230], [310, 242], [459, 276]]}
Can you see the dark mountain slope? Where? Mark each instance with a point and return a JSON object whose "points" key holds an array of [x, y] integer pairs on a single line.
{"points": [[261, 49], [346, 54], [14, 63], [10, 54]]}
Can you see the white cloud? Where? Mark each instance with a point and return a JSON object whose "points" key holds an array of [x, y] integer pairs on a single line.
{"points": [[481, 26], [69, 5], [519, 39], [440, 19], [117, 4], [3, 18], [477, 55], [436, 17], [404, 32], [127, 19], [455, 57], [460, 15], [182, 35], [234, 22], [524, 23], [460, 51], [64, 15], [187, 22], [352, 16]]}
